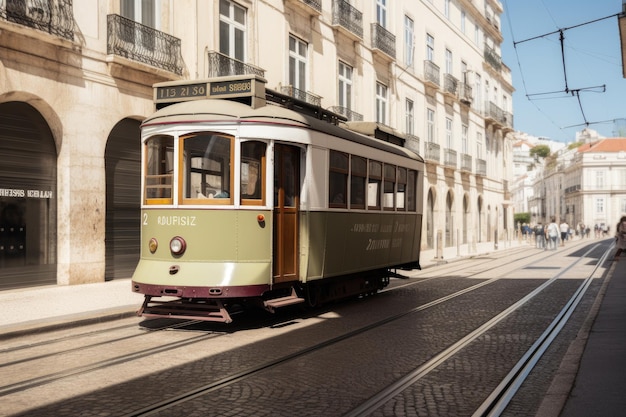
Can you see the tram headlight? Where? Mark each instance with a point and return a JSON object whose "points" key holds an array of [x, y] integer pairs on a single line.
{"points": [[178, 246], [153, 245]]}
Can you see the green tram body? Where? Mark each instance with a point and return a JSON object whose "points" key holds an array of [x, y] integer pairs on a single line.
{"points": [[229, 257]]}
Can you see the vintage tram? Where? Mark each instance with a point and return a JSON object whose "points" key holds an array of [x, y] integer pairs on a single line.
{"points": [[251, 197]]}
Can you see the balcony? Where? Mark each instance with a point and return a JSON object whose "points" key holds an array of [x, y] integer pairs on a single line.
{"points": [[383, 42], [493, 58], [348, 19], [311, 7], [432, 151], [55, 17], [290, 91], [412, 143], [221, 65], [450, 84], [350, 115], [465, 94], [137, 42], [431, 74], [481, 167], [449, 158], [466, 162]]}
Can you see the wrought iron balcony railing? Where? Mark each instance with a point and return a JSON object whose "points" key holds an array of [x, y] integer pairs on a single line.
{"points": [[492, 57], [221, 65], [55, 17], [301, 95], [412, 143], [481, 167], [383, 40], [431, 72], [348, 17], [466, 162], [449, 157], [311, 5], [137, 42], [465, 93], [432, 151], [450, 84], [352, 116]]}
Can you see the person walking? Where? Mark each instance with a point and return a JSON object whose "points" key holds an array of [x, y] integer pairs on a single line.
{"points": [[552, 233], [564, 227], [540, 240], [620, 237]]}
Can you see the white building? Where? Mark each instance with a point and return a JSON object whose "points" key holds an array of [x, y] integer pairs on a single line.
{"points": [[76, 81]]}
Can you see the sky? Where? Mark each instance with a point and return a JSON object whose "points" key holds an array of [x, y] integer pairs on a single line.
{"points": [[558, 94]]}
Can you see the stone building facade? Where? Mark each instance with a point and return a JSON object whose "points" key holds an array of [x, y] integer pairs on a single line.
{"points": [[76, 81]]}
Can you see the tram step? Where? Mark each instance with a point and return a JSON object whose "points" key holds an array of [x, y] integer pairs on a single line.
{"points": [[283, 301]]}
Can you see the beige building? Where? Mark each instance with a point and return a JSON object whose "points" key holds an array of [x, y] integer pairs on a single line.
{"points": [[76, 81]]}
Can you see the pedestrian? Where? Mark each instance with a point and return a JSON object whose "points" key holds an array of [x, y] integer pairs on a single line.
{"points": [[620, 237], [564, 227], [540, 240], [552, 233]]}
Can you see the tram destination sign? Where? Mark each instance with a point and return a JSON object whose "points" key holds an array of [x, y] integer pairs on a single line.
{"points": [[223, 87]]}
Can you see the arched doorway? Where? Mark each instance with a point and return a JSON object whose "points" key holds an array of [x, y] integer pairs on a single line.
{"points": [[123, 198], [465, 217], [449, 220], [28, 187], [430, 219]]}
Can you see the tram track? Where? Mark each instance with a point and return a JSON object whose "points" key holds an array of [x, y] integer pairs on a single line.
{"points": [[367, 407], [519, 261]]}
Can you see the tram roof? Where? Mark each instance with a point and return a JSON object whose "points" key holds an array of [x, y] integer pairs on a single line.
{"points": [[233, 111]]}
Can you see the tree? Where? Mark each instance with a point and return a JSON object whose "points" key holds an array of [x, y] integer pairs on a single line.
{"points": [[540, 151]]}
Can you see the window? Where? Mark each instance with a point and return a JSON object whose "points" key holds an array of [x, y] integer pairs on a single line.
{"points": [[381, 103], [207, 169], [374, 180], [338, 180], [141, 11], [599, 205], [430, 47], [623, 205], [464, 145], [430, 125], [401, 192], [448, 61], [479, 145], [476, 34], [389, 187], [463, 19], [409, 36], [345, 86], [381, 12], [449, 136], [297, 63], [159, 170], [446, 8], [358, 178], [252, 172], [411, 189], [599, 180], [232, 30], [410, 117]]}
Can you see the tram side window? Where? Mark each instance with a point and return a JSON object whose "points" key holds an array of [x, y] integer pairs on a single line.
{"points": [[159, 169], [358, 179], [411, 196], [389, 187], [207, 176], [338, 181], [401, 191], [374, 181], [252, 172]]}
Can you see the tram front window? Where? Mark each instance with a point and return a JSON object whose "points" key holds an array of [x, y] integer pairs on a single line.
{"points": [[159, 169], [207, 167], [252, 172]]}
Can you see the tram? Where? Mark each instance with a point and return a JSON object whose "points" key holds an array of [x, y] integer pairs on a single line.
{"points": [[253, 198]]}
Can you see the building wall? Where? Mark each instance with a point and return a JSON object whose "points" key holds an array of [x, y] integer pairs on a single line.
{"points": [[83, 91]]}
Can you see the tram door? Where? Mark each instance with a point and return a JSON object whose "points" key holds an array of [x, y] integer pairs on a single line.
{"points": [[286, 203]]}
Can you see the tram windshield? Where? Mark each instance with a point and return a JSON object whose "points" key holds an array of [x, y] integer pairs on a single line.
{"points": [[207, 168]]}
